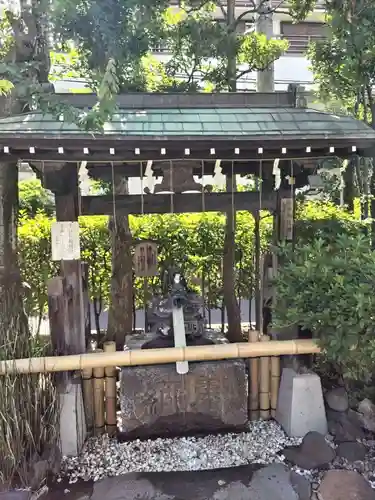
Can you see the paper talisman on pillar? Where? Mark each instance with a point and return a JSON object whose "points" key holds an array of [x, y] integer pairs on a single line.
{"points": [[65, 241], [286, 219], [146, 259]]}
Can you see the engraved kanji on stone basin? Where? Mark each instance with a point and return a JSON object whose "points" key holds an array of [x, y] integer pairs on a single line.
{"points": [[157, 401]]}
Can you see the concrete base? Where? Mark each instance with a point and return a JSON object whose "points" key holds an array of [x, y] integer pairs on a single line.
{"points": [[72, 419], [300, 406]]}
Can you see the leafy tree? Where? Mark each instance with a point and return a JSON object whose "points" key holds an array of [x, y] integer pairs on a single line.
{"points": [[119, 30], [344, 68], [228, 53], [33, 198]]}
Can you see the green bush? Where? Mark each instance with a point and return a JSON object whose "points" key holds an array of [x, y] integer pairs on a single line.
{"points": [[328, 288], [33, 198], [325, 220], [193, 241]]}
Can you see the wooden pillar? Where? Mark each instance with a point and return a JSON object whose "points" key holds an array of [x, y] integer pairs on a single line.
{"points": [[258, 279], [66, 310], [62, 180]]}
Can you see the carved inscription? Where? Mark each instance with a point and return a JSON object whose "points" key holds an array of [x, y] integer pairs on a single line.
{"points": [[215, 391]]}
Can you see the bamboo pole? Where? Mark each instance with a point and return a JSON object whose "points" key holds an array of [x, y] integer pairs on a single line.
{"points": [[254, 380], [110, 393], [264, 383], [159, 356], [98, 387], [88, 397], [275, 383]]}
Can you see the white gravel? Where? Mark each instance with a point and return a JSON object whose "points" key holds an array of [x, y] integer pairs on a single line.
{"points": [[103, 456]]}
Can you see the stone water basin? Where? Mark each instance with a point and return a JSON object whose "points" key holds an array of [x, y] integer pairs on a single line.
{"points": [[157, 401]]}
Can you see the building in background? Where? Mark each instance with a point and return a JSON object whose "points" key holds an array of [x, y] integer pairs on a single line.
{"points": [[293, 67]]}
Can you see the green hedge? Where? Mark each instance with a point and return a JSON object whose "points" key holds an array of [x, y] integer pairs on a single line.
{"points": [[193, 240]]}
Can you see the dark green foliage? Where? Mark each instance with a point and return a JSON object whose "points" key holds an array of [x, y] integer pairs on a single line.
{"points": [[326, 286], [33, 198]]}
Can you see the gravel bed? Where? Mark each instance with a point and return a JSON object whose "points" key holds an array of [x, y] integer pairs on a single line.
{"points": [[102, 457]]}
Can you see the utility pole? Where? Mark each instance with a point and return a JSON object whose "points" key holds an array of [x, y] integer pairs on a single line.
{"points": [[264, 24]]}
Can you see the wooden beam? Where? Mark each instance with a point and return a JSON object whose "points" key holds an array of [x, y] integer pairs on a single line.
{"points": [[180, 203]]}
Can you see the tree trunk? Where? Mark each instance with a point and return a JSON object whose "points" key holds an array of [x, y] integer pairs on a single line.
{"points": [[8, 216], [372, 191], [372, 180], [120, 315], [230, 302]]}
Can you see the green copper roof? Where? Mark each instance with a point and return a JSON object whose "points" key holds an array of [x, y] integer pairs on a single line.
{"points": [[239, 123]]}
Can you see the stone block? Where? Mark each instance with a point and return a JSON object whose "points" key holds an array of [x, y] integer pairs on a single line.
{"points": [[72, 419], [157, 401], [300, 406]]}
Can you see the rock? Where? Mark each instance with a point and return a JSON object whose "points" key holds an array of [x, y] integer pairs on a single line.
{"points": [[366, 411], [217, 484], [313, 453], [301, 485], [345, 426], [352, 451], [272, 482], [157, 401], [128, 487], [337, 399], [234, 491], [345, 484], [359, 466]]}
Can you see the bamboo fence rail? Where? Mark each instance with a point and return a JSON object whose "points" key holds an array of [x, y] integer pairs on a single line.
{"points": [[158, 356]]}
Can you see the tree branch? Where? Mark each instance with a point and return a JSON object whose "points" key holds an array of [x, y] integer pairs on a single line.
{"points": [[197, 7], [223, 10], [250, 70], [259, 8], [245, 72]]}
